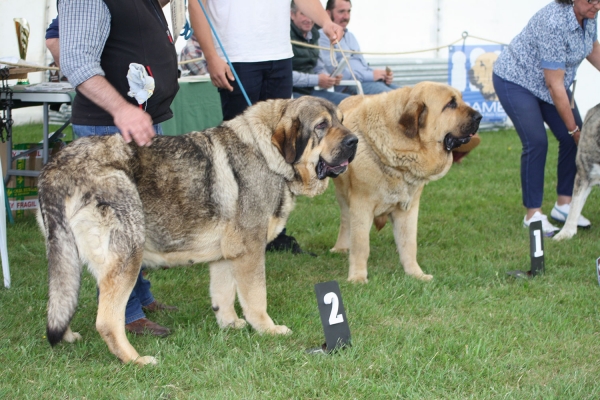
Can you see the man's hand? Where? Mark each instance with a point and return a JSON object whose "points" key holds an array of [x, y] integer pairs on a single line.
{"points": [[136, 124], [383, 75], [334, 32], [132, 121], [220, 73], [326, 81]]}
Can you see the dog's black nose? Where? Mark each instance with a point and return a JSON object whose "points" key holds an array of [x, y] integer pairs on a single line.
{"points": [[477, 116], [350, 141]]}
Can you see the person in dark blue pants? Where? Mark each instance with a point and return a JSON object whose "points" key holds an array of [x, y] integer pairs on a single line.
{"points": [[532, 77], [256, 38]]}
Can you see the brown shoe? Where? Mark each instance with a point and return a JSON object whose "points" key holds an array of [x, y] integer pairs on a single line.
{"points": [[144, 326], [156, 306]]}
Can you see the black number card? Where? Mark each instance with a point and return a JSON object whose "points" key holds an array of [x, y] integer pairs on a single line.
{"points": [[536, 245], [333, 316]]}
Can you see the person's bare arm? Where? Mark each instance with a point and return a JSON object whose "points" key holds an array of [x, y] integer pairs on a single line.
{"points": [[133, 122], [53, 45], [314, 10], [555, 83], [218, 69], [594, 57]]}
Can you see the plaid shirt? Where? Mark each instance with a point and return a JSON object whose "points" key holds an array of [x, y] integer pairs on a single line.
{"points": [[190, 51], [84, 29]]}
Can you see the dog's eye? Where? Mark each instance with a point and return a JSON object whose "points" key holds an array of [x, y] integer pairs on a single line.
{"points": [[321, 125], [451, 104]]}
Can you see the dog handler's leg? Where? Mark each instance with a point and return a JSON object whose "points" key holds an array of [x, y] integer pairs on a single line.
{"points": [[222, 294], [115, 288], [405, 233], [249, 273], [361, 219], [342, 243]]}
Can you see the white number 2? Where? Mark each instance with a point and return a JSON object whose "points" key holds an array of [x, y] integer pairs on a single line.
{"points": [[538, 244], [334, 317]]}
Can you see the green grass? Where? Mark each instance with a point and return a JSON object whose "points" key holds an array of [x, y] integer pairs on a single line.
{"points": [[471, 333]]}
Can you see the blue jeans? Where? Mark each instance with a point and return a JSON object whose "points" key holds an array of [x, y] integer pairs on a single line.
{"points": [[261, 80], [371, 88], [141, 295], [91, 130], [334, 97], [528, 114]]}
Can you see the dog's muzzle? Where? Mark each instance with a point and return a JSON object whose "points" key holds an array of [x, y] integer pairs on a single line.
{"points": [[325, 170], [346, 155], [452, 142]]}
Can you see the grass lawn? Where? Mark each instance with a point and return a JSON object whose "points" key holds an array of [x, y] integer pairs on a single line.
{"points": [[471, 333]]}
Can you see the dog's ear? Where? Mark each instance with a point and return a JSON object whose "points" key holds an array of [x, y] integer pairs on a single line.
{"points": [[286, 138], [413, 118]]}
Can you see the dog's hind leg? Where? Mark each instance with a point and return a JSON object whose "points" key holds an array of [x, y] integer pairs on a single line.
{"points": [[115, 288], [248, 270], [222, 294], [582, 189]]}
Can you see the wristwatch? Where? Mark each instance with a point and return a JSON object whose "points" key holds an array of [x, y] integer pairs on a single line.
{"points": [[574, 130]]}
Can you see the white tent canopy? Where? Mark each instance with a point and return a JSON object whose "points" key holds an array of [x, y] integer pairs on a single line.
{"points": [[380, 26]]}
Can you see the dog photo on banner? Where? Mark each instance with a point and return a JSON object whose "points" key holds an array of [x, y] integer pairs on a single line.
{"points": [[470, 70]]}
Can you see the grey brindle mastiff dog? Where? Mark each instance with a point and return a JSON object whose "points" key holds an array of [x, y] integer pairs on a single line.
{"points": [[216, 196], [588, 171]]}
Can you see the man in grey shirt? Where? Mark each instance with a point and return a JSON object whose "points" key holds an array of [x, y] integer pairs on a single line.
{"points": [[373, 81]]}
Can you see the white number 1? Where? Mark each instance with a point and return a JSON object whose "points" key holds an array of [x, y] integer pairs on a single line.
{"points": [[538, 244], [334, 317]]}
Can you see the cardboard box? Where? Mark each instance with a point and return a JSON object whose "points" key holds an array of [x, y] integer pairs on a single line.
{"points": [[22, 191]]}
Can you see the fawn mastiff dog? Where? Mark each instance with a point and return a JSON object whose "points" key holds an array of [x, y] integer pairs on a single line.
{"points": [[405, 140], [216, 196], [588, 171]]}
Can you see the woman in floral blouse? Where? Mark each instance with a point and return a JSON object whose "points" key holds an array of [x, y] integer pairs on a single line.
{"points": [[532, 77]]}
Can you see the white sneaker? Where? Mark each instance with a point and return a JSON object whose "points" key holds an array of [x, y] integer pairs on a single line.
{"points": [[547, 227], [559, 213]]}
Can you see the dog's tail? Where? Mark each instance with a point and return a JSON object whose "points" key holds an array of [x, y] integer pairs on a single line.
{"points": [[64, 265]]}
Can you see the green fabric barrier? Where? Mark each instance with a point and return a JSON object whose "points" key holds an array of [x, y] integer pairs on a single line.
{"points": [[197, 106]]}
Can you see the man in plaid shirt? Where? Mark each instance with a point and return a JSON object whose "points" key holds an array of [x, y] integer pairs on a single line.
{"points": [[190, 51]]}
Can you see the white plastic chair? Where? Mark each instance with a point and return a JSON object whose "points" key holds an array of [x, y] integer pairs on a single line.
{"points": [[3, 245], [351, 82]]}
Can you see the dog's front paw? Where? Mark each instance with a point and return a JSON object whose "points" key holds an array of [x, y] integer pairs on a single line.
{"points": [[338, 250], [141, 361], [422, 276], [279, 330], [237, 323], [564, 234], [358, 279]]}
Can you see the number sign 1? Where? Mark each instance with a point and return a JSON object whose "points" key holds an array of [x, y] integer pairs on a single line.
{"points": [[333, 316], [536, 246]]}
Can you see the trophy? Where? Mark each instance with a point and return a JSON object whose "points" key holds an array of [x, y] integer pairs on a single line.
{"points": [[22, 27]]}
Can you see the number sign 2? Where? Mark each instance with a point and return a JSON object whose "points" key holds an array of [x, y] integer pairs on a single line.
{"points": [[333, 316], [536, 246]]}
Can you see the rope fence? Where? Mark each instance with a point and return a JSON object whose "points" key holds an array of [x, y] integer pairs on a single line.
{"points": [[464, 37]]}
